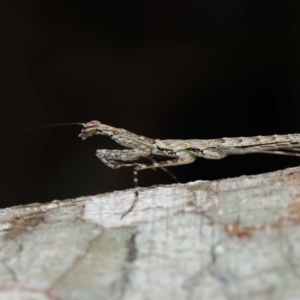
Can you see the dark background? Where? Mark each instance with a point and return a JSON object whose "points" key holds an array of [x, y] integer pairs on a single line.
{"points": [[163, 69]]}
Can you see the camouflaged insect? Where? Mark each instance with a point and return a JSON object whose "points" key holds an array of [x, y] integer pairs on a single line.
{"points": [[181, 152]]}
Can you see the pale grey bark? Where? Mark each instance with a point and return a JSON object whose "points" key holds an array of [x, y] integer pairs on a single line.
{"points": [[228, 239]]}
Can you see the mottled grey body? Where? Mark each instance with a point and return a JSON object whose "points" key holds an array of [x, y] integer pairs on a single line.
{"points": [[182, 152]]}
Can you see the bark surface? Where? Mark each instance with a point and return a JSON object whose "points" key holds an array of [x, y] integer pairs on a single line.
{"points": [[236, 238]]}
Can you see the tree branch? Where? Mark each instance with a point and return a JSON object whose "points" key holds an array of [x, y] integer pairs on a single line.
{"points": [[228, 239]]}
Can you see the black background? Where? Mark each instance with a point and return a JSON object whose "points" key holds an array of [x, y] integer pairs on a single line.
{"points": [[163, 69]]}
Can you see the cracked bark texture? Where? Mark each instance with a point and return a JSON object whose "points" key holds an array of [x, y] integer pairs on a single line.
{"points": [[228, 239]]}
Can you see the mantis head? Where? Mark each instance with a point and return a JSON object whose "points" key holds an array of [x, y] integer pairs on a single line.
{"points": [[95, 127]]}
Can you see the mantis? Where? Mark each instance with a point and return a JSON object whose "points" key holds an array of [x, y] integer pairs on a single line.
{"points": [[180, 152], [177, 152]]}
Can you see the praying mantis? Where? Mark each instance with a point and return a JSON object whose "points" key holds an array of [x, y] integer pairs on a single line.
{"points": [[177, 152], [180, 152]]}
